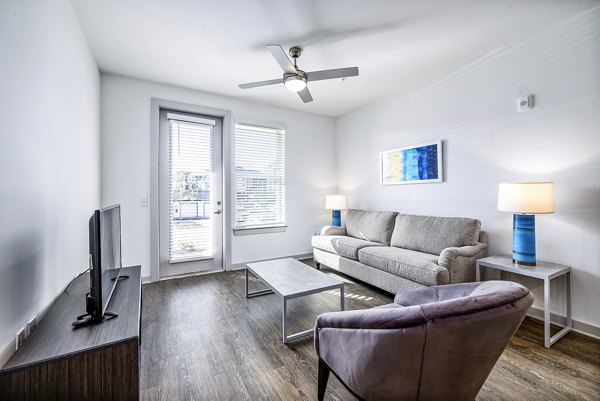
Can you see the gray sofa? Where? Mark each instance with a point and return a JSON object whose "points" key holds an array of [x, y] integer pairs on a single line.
{"points": [[396, 251]]}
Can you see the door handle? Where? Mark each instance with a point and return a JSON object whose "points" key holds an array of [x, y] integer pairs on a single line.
{"points": [[217, 212]]}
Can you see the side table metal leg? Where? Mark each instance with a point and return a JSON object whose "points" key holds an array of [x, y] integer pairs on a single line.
{"points": [[565, 330], [568, 299], [477, 272], [342, 300], [284, 325], [246, 282], [547, 312]]}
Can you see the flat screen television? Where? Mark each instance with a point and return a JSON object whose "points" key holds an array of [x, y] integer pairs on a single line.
{"points": [[104, 263]]}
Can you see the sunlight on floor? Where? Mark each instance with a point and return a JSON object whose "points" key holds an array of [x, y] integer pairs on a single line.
{"points": [[347, 295]]}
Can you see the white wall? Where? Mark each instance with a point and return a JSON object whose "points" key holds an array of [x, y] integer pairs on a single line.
{"points": [[49, 157], [310, 166], [486, 142]]}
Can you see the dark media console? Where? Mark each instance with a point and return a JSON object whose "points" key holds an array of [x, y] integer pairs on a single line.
{"points": [[94, 362]]}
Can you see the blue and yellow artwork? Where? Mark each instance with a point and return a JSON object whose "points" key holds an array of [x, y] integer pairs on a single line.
{"points": [[414, 164]]}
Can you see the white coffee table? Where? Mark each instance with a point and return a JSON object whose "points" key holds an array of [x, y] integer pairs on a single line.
{"points": [[291, 279]]}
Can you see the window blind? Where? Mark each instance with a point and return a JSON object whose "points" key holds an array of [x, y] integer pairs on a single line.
{"points": [[190, 188], [259, 176]]}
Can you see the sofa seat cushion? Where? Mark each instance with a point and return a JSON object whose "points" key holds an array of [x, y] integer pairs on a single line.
{"points": [[347, 247], [416, 266], [370, 226], [432, 234]]}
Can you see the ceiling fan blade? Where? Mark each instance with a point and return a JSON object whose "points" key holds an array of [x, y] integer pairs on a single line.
{"points": [[332, 74], [305, 95], [261, 83], [281, 58]]}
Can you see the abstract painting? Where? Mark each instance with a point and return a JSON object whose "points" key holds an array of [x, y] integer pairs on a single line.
{"points": [[417, 164]]}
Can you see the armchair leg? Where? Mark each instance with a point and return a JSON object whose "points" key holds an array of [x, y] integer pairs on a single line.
{"points": [[323, 377]]}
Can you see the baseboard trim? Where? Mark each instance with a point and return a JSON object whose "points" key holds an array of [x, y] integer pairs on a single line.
{"points": [[580, 327], [301, 256]]}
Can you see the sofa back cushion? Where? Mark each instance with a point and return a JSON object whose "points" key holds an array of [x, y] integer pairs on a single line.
{"points": [[370, 226], [432, 235]]}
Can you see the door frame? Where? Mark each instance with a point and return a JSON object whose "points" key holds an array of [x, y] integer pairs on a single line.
{"points": [[226, 161], [196, 265]]}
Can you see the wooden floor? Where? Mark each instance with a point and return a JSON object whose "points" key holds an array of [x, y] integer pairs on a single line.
{"points": [[203, 340]]}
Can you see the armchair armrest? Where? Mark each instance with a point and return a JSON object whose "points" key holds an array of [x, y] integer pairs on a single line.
{"points": [[333, 230], [427, 295], [460, 261], [366, 348], [393, 317]]}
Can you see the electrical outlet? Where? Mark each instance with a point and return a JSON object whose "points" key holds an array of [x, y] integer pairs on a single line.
{"points": [[31, 325], [20, 338]]}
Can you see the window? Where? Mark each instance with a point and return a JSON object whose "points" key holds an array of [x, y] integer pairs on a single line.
{"points": [[259, 177]]}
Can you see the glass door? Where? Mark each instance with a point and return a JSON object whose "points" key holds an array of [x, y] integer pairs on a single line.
{"points": [[190, 193]]}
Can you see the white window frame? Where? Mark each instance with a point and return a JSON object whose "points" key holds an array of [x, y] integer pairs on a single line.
{"points": [[250, 230]]}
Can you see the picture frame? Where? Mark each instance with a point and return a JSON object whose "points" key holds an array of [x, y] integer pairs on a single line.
{"points": [[417, 164]]}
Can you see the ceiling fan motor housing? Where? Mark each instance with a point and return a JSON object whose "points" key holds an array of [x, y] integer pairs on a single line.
{"points": [[295, 81], [299, 74]]}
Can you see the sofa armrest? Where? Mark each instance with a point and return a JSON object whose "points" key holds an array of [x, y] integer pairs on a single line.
{"points": [[460, 261], [333, 230]]}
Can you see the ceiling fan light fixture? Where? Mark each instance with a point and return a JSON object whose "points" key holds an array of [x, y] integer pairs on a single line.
{"points": [[295, 82]]}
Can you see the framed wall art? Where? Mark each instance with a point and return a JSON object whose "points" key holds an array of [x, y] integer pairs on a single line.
{"points": [[417, 164]]}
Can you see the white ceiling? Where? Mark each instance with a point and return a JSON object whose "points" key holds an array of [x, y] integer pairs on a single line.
{"points": [[398, 45]]}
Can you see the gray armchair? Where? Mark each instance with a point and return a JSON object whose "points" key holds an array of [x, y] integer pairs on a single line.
{"points": [[434, 343]]}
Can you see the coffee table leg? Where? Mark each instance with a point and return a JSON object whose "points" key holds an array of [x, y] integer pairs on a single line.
{"points": [[342, 301], [255, 293]]}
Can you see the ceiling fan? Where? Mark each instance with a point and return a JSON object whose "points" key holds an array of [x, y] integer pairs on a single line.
{"points": [[294, 78]]}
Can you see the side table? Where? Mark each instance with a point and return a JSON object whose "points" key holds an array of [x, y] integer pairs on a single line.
{"points": [[545, 271]]}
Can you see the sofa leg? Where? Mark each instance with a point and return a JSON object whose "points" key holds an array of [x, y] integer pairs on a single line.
{"points": [[318, 265], [323, 377]]}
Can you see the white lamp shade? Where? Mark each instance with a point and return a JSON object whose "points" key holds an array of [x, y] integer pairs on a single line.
{"points": [[335, 202], [526, 197]]}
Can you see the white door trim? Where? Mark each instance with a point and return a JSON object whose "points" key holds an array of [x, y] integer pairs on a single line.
{"points": [[156, 106]]}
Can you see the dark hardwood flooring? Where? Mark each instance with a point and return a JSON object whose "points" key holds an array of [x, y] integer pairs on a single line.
{"points": [[203, 340]]}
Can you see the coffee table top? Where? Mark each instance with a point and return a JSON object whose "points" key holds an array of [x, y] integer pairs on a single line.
{"points": [[290, 278]]}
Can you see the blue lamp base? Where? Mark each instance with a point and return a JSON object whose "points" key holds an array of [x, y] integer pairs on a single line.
{"points": [[336, 218], [524, 239]]}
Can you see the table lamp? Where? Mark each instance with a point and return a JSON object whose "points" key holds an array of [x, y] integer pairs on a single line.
{"points": [[335, 203], [525, 200]]}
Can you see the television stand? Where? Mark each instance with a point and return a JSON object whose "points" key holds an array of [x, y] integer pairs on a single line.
{"points": [[86, 319], [94, 362]]}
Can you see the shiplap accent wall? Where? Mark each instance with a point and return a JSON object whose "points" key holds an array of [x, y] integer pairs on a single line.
{"points": [[486, 141]]}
